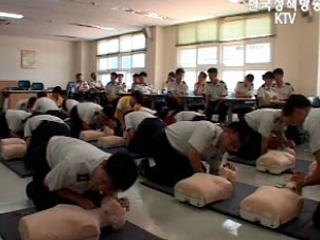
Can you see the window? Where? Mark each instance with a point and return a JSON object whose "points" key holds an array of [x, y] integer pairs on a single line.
{"points": [[188, 58], [207, 55], [258, 53], [124, 54], [233, 55], [190, 78], [231, 78], [258, 81]]}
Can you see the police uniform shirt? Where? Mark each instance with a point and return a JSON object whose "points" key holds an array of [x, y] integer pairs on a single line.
{"points": [[112, 89], [71, 103], [72, 163], [35, 121], [267, 92], [244, 90], [284, 91], [180, 89], [145, 89], [265, 121], [96, 84], [201, 88], [312, 126], [45, 104], [215, 91], [202, 135], [88, 111], [133, 119], [186, 116], [15, 119]]}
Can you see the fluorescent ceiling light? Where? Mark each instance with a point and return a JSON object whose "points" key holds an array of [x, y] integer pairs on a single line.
{"points": [[138, 12], [11, 15], [104, 28]]}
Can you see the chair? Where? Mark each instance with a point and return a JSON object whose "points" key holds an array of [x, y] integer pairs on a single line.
{"points": [[315, 102], [71, 90]]}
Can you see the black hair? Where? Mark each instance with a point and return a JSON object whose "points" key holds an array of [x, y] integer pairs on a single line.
{"points": [[114, 74], [120, 75], [41, 94], [212, 70], [64, 105], [293, 102], [136, 75], [240, 130], [250, 77], [93, 73], [138, 96], [57, 89], [268, 75], [143, 74], [122, 171], [278, 71], [78, 75], [109, 111], [180, 71], [31, 101], [171, 74], [203, 74]]}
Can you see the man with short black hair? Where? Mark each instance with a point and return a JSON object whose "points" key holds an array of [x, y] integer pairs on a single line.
{"points": [[112, 88], [121, 83], [215, 91], [267, 94], [245, 89], [72, 171], [284, 89]]}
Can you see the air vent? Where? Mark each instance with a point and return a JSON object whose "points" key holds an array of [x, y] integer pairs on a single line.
{"points": [[64, 36]]}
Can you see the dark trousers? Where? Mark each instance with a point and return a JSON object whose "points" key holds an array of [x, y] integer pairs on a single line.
{"points": [[57, 113], [4, 128], [316, 217], [146, 132], [76, 124], [41, 196], [171, 167], [251, 149], [41, 135], [218, 107]]}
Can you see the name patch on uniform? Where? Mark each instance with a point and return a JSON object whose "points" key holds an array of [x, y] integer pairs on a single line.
{"points": [[82, 177]]}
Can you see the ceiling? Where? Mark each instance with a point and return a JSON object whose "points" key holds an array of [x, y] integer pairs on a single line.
{"points": [[56, 18]]}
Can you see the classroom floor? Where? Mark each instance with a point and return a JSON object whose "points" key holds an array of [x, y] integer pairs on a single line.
{"points": [[163, 216]]}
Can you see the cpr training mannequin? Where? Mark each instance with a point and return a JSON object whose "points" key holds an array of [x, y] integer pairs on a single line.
{"points": [[272, 206], [12, 148], [68, 222], [277, 162], [91, 135], [202, 189]]}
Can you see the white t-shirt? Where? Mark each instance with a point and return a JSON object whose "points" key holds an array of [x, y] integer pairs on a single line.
{"points": [[88, 111], [15, 119], [70, 103], [72, 162], [22, 105], [186, 116], [147, 110], [312, 126], [202, 135], [133, 119], [35, 121], [265, 121], [44, 105]]}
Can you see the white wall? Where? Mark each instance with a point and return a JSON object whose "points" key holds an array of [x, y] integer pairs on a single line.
{"points": [[55, 60]]}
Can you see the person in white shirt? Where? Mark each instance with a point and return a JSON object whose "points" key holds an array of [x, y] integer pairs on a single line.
{"points": [[86, 116], [215, 91], [199, 87], [82, 88], [298, 110], [68, 104], [188, 116], [26, 104], [132, 121], [245, 89], [283, 89], [95, 84], [44, 105], [177, 90], [179, 149], [267, 94], [12, 123], [136, 81], [72, 171], [121, 83], [265, 129], [113, 88], [171, 78]]}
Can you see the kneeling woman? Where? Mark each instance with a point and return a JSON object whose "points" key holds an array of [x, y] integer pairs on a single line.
{"points": [[179, 149], [265, 129]]}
